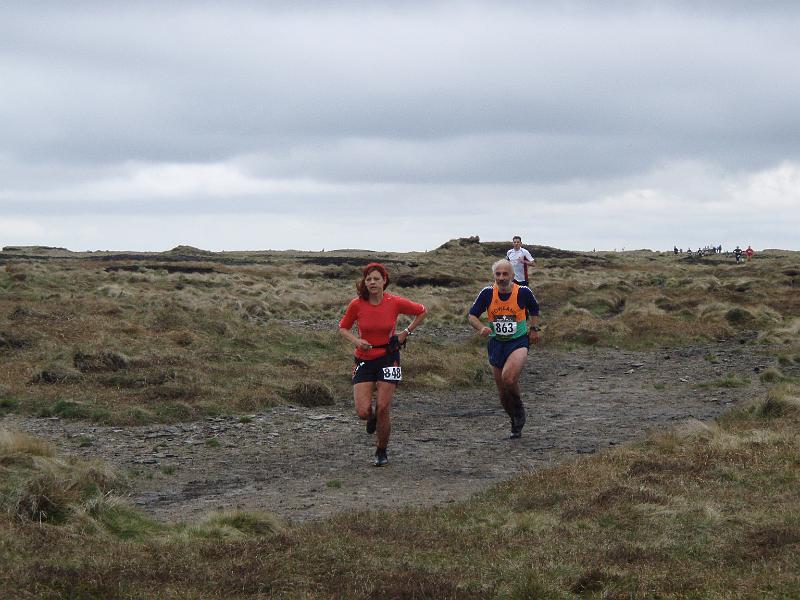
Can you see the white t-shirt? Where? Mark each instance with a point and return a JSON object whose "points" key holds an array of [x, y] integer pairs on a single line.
{"points": [[520, 268]]}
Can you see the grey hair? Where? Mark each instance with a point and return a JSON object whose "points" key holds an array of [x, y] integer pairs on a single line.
{"points": [[502, 261]]}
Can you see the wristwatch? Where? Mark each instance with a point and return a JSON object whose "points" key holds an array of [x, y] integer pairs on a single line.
{"points": [[536, 328]]}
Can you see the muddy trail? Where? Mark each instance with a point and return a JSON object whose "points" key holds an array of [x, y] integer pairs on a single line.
{"points": [[311, 463]]}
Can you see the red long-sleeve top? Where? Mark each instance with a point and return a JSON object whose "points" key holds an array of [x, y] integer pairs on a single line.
{"points": [[376, 323]]}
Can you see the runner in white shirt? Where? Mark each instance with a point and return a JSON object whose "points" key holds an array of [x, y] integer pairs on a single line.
{"points": [[520, 259]]}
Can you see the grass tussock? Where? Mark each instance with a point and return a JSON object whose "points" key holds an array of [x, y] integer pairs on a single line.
{"points": [[781, 400], [38, 486], [310, 394], [787, 334], [581, 326], [236, 525]]}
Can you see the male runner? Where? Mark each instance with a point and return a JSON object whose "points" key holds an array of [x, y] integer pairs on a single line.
{"points": [[509, 307], [520, 259]]}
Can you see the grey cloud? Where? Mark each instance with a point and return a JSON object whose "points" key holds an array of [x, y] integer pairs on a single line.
{"points": [[469, 160], [479, 92], [186, 206]]}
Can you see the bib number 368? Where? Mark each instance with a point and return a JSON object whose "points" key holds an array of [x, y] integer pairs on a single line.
{"points": [[392, 374]]}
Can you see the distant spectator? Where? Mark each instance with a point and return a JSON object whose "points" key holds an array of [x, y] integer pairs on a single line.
{"points": [[519, 258], [675, 250]]}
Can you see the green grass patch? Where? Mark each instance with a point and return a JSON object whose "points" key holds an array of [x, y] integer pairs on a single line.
{"points": [[174, 411], [730, 381], [8, 404], [84, 442], [127, 523], [72, 409]]}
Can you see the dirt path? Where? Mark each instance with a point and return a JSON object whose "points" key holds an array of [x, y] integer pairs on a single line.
{"points": [[312, 463]]}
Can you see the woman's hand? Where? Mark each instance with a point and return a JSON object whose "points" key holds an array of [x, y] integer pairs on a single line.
{"points": [[363, 344]]}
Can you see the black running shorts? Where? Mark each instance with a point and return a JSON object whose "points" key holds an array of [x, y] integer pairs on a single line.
{"points": [[385, 368]]}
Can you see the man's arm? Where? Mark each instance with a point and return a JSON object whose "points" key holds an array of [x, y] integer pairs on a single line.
{"points": [[533, 328], [528, 259], [478, 326], [532, 307], [478, 307]]}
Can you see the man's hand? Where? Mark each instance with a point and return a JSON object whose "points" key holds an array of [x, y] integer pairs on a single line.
{"points": [[485, 331]]}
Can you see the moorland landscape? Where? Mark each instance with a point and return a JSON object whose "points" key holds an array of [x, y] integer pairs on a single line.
{"points": [[180, 425]]}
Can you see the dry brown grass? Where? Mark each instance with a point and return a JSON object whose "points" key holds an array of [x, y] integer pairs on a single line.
{"points": [[187, 333], [705, 511], [13, 443], [708, 510]]}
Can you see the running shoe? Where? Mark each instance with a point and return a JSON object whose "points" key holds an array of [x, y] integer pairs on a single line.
{"points": [[517, 422], [381, 460], [372, 422]]}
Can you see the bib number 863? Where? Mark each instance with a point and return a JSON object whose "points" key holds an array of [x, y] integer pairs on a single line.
{"points": [[505, 327]]}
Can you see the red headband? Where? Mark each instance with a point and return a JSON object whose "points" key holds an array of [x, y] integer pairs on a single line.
{"points": [[375, 266]]}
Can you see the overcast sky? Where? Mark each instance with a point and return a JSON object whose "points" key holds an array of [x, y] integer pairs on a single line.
{"points": [[399, 125]]}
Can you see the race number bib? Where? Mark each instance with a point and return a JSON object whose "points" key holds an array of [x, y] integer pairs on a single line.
{"points": [[392, 374], [504, 327]]}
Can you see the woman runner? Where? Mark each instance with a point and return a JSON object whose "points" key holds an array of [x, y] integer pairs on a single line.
{"points": [[376, 366]]}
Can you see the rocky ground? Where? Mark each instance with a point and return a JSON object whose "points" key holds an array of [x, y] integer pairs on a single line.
{"points": [[304, 463]]}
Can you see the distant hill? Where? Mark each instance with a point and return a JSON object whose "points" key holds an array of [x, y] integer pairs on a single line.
{"points": [[500, 248]]}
